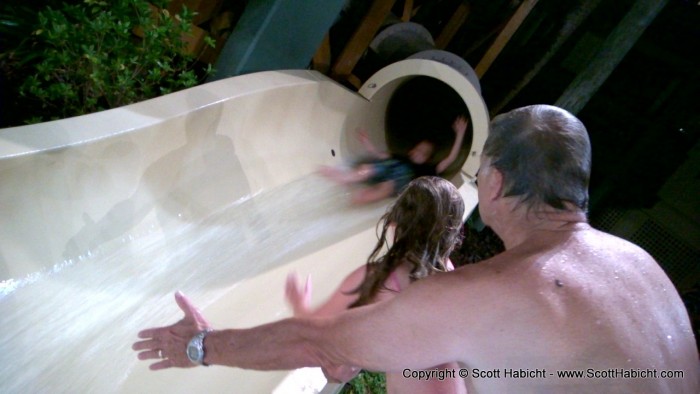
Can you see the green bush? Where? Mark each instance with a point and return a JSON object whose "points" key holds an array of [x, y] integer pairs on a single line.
{"points": [[366, 383], [87, 57]]}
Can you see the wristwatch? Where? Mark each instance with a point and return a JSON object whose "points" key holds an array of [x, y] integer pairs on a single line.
{"points": [[195, 348]]}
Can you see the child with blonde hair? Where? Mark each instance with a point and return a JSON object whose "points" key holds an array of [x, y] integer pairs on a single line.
{"points": [[420, 231]]}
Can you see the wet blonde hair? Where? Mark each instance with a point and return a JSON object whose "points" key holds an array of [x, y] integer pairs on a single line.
{"points": [[428, 225]]}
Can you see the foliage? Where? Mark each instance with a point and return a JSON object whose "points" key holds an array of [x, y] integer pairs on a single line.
{"points": [[97, 55], [366, 383]]}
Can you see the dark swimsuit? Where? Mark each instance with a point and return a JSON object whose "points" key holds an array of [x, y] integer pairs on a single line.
{"points": [[400, 170]]}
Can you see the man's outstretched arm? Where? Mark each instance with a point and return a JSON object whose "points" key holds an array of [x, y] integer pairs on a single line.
{"points": [[388, 336]]}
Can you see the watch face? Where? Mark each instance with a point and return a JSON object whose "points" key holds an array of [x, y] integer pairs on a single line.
{"points": [[195, 348], [192, 353]]}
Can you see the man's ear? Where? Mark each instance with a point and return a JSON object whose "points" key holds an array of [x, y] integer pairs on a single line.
{"points": [[495, 184]]}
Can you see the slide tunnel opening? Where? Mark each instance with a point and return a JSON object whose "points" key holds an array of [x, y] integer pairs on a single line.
{"points": [[424, 108]]}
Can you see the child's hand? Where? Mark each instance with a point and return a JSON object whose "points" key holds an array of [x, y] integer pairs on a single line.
{"points": [[460, 125], [363, 137], [297, 297]]}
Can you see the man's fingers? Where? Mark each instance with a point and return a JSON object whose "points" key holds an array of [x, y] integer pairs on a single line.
{"points": [[149, 332], [161, 365], [191, 311], [183, 302], [147, 344], [148, 355]]}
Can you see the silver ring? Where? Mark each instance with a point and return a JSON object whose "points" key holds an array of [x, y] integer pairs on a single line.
{"points": [[160, 353]]}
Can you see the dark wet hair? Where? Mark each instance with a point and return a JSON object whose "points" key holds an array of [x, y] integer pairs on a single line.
{"points": [[428, 221], [544, 155]]}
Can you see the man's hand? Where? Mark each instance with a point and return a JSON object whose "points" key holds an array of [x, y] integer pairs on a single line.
{"points": [[169, 344]]}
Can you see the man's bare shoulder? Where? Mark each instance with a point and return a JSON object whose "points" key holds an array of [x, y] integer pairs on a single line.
{"points": [[597, 239]]}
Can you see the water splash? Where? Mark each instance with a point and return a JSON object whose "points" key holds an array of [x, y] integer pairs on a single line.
{"points": [[69, 328]]}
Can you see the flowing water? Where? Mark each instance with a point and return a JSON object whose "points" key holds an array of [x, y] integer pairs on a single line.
{"points": [[69, 328]]}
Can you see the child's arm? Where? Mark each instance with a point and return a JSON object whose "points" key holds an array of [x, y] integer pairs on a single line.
{"points": [[369, 147], [373, 193], [460, 127], [299, 297]]}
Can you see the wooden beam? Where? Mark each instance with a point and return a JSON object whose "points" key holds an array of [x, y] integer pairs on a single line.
{"points": [[354, 81], [573, 20], [361, 39], [407, 10], [477, 43], [611, 53], [506, 34], [322, 58], [453, 25]]}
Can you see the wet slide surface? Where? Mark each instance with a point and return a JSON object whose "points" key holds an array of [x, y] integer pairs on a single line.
{"points": [[211, 191]]}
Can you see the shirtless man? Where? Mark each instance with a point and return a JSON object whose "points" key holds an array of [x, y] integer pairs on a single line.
{"points": [[562, 298]]}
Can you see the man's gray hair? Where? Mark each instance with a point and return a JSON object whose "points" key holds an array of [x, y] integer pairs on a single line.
{"points": [[544, 155]]}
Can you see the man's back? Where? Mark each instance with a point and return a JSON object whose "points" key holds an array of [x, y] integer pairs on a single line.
{"points": [[579, 303]]}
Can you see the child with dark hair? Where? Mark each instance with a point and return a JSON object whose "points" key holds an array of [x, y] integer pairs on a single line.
{"points": [[420, 229], [388, 174]]}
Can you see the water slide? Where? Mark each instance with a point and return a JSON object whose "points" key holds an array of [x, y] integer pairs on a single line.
{"points": [[211, 191]]}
